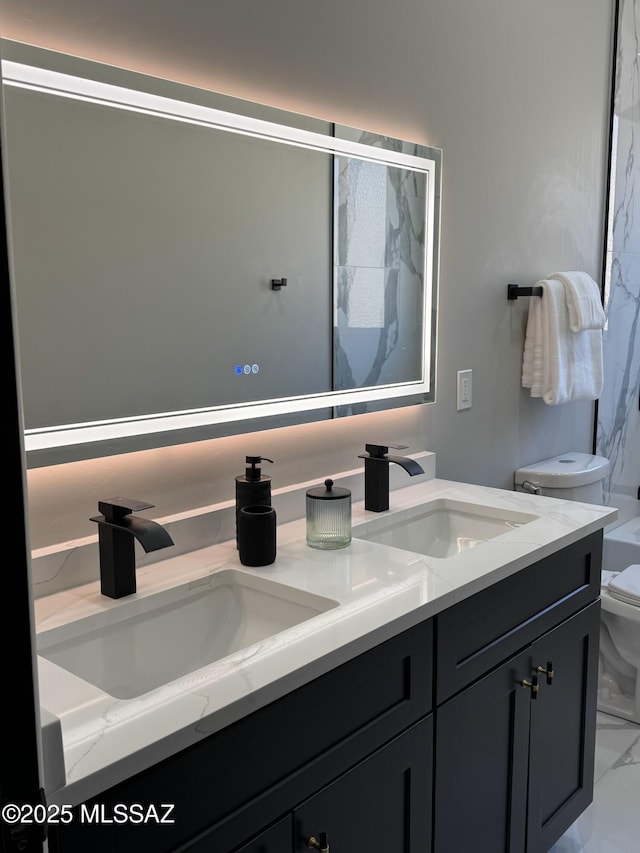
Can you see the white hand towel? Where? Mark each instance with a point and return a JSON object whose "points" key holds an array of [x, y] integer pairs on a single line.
{"points": [[572, 360], [558, 364], [532, 359], [583, 300]]}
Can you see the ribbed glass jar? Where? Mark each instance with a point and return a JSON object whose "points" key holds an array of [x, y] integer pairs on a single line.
{"points": [[328, 517]]}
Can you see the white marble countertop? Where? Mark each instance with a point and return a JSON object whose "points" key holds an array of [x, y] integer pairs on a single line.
{"points": [[380, 591]]}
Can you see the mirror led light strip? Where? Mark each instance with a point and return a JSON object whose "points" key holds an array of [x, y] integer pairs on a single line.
{"points": [[60, 436], [120, 97], [30, 77]]}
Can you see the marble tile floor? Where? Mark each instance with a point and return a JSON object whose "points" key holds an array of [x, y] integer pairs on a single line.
{"points": [[611, 824]]}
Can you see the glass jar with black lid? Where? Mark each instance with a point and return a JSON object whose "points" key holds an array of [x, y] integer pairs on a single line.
{"points": [[328, 516]]}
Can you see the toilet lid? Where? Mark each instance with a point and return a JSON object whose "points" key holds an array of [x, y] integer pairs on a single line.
{"points": [[625, 586]]}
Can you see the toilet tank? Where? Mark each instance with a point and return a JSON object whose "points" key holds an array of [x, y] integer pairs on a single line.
{"points": [[570, 476]]}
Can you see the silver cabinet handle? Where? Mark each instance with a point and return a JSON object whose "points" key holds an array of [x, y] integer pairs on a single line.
{"points": [[532, 685], [548, 671], [322, 845]]}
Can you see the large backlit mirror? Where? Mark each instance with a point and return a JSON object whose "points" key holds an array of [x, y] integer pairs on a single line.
{"points": [[189, 265]]}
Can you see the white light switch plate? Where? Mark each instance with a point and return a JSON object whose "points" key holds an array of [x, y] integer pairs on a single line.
{"points": [[464, 389]]}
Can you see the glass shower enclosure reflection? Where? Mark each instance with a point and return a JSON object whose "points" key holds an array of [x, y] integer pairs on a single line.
{"points": [[379, 287]]}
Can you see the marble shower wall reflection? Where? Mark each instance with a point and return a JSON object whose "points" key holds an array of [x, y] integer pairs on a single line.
{"points": [[618, 432], [379, 223]]}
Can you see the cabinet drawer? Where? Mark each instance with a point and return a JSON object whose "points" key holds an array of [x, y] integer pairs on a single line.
{"points": [[477, 634], [382, 803], [288, 749]]}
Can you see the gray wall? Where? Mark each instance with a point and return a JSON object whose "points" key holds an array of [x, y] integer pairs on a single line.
{"points": [[517, 96]]}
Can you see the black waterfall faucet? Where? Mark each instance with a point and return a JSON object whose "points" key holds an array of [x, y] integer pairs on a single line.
{"points": [[376, 474], [117, 531]]}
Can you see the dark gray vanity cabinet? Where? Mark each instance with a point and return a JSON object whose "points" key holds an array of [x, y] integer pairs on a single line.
{"points": [[433, 740], [276, 839], [384, 803], [352, 749], [562, 731], [523, 767], [514, 759]]}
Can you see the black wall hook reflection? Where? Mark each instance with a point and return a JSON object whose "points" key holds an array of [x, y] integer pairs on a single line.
{"points": [[514, 291], [277, 283]]}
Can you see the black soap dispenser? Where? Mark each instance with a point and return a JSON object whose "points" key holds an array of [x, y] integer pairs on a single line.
{"points": [[253, 488]]}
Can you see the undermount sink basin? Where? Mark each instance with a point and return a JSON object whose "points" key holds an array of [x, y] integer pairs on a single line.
{"points": [[172, 633], [443, 527]]}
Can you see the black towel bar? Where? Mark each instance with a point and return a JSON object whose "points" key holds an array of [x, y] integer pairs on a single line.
{"points": [[514, 290]]}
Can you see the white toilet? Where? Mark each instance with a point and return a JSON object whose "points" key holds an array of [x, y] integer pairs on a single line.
{"points": [[580, 477]]}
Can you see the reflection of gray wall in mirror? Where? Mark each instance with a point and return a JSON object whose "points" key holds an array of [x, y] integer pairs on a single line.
{"points": [[143, 252]]}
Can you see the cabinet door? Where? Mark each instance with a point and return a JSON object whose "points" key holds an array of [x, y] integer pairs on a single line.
{"points": [[383, 804], [563, 721], [276, 839], [482, 742]]}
